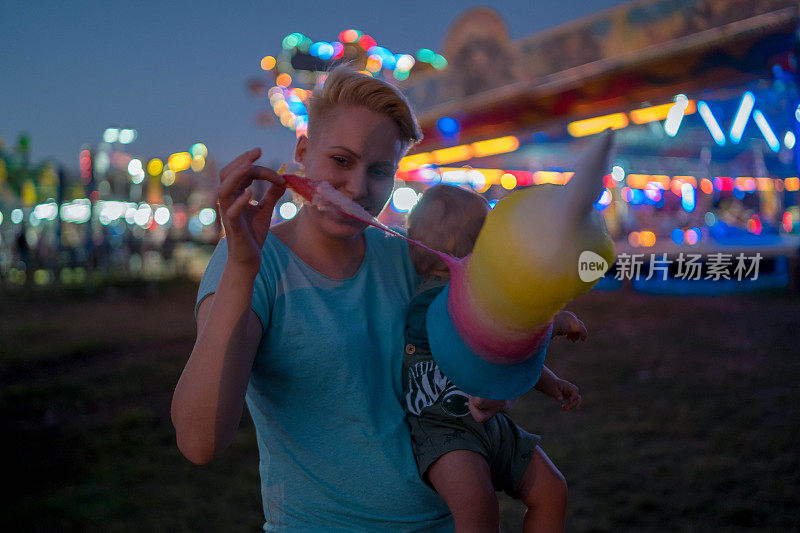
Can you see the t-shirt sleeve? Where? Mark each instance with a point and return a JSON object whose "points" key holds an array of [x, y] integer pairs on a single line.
{"points": [[260, 303]]}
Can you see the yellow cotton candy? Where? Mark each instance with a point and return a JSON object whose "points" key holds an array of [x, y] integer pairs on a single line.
{"points": [[524, 267]]}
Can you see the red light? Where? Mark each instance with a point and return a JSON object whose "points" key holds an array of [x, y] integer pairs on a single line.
{"points": [[179, 219], [366, 42]]}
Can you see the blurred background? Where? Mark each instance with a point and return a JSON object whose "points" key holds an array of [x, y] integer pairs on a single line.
{"points": [[115, 120]]}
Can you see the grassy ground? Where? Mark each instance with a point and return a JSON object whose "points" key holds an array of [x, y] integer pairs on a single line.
{"points": [[690, 416]]}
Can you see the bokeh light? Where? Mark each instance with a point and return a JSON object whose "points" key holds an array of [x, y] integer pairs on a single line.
{"points": [[207, 216], [155, 166], [268, 63], [287, 210], [404, 198]]}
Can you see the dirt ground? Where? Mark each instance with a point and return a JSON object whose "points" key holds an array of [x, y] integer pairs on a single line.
{"points": [[689, 422]]}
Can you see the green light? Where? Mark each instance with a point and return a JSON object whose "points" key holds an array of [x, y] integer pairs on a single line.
{"points": [[290, 41], [439, 62], [426, 55]]}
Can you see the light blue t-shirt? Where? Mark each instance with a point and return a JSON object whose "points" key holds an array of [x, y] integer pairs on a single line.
{"points": [[325, 393]]}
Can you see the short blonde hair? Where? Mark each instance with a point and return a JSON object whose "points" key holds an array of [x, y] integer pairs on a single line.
{"points": [[346, 86], [447, 219]]}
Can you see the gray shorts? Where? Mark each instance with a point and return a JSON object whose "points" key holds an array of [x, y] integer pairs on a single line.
{"points": [[507, 448]]}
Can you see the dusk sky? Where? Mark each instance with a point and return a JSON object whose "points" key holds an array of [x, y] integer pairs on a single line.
{"points": [[177, 71]]}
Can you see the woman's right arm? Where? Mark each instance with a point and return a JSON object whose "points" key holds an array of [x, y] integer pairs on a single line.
{"points": [[208, 401]]}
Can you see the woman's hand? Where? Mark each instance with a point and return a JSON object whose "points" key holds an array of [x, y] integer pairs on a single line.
{"points": [[247, 224]]}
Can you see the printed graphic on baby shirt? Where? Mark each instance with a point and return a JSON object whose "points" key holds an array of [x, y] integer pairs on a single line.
{"points": [[427, 386]]}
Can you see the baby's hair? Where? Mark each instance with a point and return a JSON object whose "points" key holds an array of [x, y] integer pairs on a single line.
{"points": [[447, 219], [346, 86]]}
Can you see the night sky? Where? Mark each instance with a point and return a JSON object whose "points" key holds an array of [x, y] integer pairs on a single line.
{"points": [[177, 71]]}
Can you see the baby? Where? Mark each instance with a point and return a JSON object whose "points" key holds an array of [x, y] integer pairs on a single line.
{"points": [[467, 447]]}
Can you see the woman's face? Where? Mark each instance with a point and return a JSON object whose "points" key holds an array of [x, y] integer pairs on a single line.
{"points": [[357, 151]]}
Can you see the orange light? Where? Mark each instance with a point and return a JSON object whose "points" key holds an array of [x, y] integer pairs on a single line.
{"points": [[637, 181], [590, 126], [179, 161], [268, 63], [444, 156], [412, 162], [661, 179], [792, 184], [647, 238], [687, 179], [764, 184], [659, 112], [706, 186], [284, 80], [633, 239], [500, 145], [373, 64]]}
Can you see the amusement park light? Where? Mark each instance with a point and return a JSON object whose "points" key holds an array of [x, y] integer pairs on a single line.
{"points": [[180, 161], [404, 198], [127, 136], [711, 123], [207, 216], [444, 156], [658, 112], [590, 126], [500, 145], [448, 126], [425, 55], [155, 166], [788, 140], [687, 197], [161, 215], [111, 135], [508, 181], [675, 115], [766, 131], [287, 210], [168, 177], [742, 114], [410, 162], [268, 63]]}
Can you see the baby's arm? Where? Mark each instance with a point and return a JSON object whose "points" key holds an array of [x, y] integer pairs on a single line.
{"points": [[568, 325], [559, 389], [482, 409]]}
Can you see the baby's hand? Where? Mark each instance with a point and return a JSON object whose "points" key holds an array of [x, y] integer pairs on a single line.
{"points": [[483, 409], [567, 324], [568, 394]]}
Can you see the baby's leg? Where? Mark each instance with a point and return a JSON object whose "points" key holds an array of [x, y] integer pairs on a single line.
{"points": [[463, 480], [544, 491]]}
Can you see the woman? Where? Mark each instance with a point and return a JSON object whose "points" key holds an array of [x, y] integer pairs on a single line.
{"points": [[305, 322]]}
